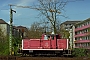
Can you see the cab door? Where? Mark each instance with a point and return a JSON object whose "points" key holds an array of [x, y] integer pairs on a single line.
{"points": [[53, 41]]}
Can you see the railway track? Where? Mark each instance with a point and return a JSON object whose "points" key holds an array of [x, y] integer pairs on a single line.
{"points": [[41, 58]]}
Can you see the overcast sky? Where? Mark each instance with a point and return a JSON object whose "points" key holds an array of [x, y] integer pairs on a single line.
{"points": [[78, 10]]}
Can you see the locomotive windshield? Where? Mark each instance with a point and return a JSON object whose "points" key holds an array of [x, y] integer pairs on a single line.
{"points": [[52, 36], [45, 37], [48, 37]]}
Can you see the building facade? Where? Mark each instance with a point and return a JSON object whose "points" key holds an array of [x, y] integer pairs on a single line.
{"points": [[71, 37], [67, 30], [82, 34], [5, 28], [23, 31], [67, 25]]}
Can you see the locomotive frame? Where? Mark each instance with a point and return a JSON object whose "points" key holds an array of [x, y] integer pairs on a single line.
{"points": [[37, 47]]}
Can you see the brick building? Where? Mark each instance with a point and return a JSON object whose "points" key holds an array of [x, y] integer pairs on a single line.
{"points": [[23, 31]]}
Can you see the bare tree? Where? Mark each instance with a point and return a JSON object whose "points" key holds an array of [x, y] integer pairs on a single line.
{"points": [[35, 30], [34, 26], [50, 9]]}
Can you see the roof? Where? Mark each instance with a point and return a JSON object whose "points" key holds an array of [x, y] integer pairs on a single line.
{"points": [[83, 21], [70, 22], [2, 21], [20, 27]]}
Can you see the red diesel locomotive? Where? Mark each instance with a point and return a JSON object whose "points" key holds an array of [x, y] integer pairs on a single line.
{"points": [[48, 45]]}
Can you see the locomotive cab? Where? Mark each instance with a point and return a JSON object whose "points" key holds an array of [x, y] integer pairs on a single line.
{"points": [[50, 36]]}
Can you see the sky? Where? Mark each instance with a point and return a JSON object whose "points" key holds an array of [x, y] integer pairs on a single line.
{"points": [[77, 10]]}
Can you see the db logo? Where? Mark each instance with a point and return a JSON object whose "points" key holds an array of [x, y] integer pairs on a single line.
{"points": [[46, 45]]}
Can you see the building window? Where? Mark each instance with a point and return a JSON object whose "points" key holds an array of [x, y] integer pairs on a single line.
{"points": [[88, 37], [75, 38], [77, 45], [86, 30], [89, 44], [87, 23]]}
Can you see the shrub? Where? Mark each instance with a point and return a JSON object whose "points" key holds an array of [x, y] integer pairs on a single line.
{"points": [[79, 52]]}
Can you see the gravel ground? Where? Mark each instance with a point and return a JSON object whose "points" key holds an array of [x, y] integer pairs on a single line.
{"points": [[42, 58], [51, 58]]}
